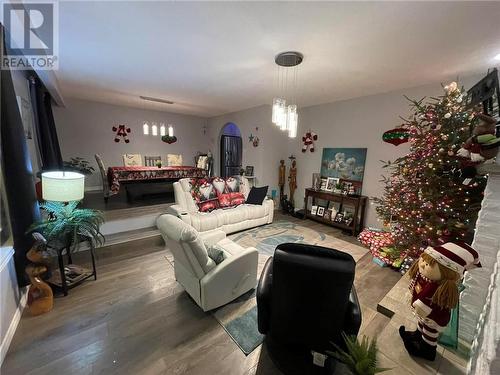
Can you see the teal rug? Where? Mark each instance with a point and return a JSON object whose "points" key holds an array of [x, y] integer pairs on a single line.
{"points": [[239, 317]]}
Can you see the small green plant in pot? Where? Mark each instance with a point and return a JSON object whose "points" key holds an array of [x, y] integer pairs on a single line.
{"points": [[360, 357], [79, 165], [66, 224]]}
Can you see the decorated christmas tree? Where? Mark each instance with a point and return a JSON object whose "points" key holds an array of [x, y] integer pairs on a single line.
{"points": [[432, 195]]}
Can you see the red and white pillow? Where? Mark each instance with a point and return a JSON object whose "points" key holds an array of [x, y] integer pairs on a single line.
{"points": [[204, 194], [228, 191]]}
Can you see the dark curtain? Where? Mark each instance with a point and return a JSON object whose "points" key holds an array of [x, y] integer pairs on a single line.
{"points": [[45, 127], [18, 174]]}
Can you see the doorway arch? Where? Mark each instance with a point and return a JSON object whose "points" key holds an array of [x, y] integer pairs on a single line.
{"points": [[231, 150]]}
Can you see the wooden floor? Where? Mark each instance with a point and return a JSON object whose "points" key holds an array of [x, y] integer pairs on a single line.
{"points": [[136, 319]]}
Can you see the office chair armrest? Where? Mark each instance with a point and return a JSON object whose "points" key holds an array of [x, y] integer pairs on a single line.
{"points": [[264, 296], [353, 314]]}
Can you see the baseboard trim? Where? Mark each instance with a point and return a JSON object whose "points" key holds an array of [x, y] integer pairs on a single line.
{"points": [[9, 335]]}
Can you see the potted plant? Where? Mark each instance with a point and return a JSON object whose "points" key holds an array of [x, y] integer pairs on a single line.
{"points": [[158, 163], [360, 357], [79, 165], [66, 224]]}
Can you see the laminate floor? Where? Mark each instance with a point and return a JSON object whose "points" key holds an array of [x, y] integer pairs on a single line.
{"points": [[136, 319]]}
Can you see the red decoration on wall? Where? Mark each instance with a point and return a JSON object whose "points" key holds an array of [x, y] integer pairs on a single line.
{"points": [[308, 140], [121, 132]]}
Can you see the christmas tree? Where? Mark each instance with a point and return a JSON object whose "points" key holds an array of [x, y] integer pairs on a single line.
{"points": [[431, 196]]}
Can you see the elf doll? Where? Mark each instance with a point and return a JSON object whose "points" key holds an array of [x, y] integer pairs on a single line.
{"points": [[434, 292]]}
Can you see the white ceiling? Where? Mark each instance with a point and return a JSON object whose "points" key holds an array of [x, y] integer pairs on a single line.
{"points": [[213, 58]]}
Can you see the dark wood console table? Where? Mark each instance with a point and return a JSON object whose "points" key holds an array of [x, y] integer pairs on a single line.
{"points": [[356, 201]]}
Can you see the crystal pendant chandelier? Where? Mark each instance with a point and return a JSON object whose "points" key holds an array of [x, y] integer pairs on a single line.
{"points": [[284, 116]]}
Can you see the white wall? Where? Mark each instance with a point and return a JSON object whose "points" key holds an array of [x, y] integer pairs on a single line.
{"points": [[358, 122], [265, 158], [11, 300], [84, 129]]}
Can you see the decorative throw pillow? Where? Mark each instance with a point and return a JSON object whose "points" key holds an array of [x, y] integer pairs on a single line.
{"points": [[257, 195], [216, 253], [219, 184], [237, 199], [224, 200], [204, 194], [232, 185]]}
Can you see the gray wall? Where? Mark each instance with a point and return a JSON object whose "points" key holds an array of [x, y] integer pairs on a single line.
{"points": [[358, 122], [84, 129]]}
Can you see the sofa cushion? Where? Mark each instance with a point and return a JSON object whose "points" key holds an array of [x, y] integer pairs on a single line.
{"points": [[255, 211], [257, 195], [203, 221], [187, 198], [204, 194]]}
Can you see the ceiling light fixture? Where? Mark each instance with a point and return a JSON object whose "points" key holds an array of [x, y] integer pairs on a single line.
{"points": [[286, 117]]}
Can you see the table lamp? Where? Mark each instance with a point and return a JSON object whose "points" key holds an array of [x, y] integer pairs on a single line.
{"points": [[60, 186]]}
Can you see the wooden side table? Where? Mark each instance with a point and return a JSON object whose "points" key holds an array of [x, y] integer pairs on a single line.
{"points": [[357, 201], [60, 280]]}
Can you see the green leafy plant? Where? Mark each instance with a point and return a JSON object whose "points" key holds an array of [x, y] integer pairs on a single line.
{"points": [[66, 224], [78, 165], [360, 357]]}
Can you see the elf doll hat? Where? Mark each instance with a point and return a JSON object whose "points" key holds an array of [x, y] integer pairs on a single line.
{"points": [[457, 256]]}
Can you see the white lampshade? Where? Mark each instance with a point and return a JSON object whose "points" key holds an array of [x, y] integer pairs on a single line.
{"points": [[62, 186]]}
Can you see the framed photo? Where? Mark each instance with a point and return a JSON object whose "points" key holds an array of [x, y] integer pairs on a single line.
{"points": [[314, 210], [328, 214], [339, 218], [331, 182], [349, 221], [322, 185], [321, 211], [249, 170]]}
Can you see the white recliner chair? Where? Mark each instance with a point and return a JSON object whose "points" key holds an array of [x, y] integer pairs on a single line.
{"points": [[210, 285]]}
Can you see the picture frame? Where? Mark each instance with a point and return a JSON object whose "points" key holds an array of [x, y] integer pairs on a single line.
{"points": [[339, 218], [321, 211], [331, 182], [249, 170], [314, 210], [322, 185], [327, 215]]}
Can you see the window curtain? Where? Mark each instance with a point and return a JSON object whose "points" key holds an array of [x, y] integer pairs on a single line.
{"points": [[17, 171], [45, 127]]}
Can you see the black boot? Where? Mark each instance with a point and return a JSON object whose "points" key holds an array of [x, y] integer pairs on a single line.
{"points": [[409, 334], [419, 348]]}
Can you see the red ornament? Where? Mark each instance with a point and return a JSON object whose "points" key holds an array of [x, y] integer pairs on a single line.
{"points": [[396, 136], [121, 133]]}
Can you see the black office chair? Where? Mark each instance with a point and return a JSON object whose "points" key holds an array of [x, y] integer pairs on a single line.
{"points": [[305, 300]]}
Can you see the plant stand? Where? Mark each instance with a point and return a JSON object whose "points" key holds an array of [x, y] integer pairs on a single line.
{"points": [[59, 277]]}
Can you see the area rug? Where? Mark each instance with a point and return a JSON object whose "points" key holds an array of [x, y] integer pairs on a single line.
{"points": [[239, 318]]}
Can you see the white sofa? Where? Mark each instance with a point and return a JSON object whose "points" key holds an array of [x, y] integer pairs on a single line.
{"points": [[228, 220], [210, 285]]}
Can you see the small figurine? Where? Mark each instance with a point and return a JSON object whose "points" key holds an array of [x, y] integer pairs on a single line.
{"points": [[282, 178], [292, 180], [483, 144], [40, 296], [434, 292]]}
